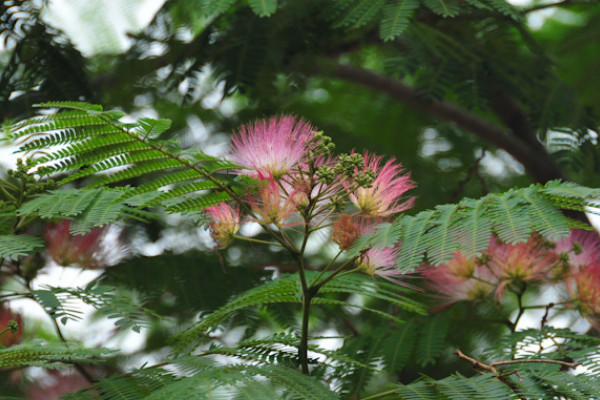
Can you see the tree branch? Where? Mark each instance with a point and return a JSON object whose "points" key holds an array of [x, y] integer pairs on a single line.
{"points": [[536, 161]]}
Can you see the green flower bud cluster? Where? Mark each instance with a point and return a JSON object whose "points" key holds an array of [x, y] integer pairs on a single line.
{"points": [[324, 144], [365, 179], [348, 163], [13, 326], [30, 184], [326, 174]]}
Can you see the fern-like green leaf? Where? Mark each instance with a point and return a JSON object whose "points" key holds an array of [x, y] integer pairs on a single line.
{"points": [[442, 243], [92, 207], [86, 142], [396, 18], [75, 105], [398, 346], [14, 246], [431, 339], [445, 8], [50, 355], [359, 13], [216, 7], [512, 223], [302, 387], [414, 243], [545, 218], [263, 8], [475, 230]]}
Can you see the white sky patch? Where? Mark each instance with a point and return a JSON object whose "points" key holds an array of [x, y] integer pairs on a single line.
{"points": [[101, 26], [500, 163]]}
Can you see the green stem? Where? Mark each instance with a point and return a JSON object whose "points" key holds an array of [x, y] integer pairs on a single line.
{"points": [[546, 305], [247, 239], [318, 285], [329, 265], [380, 395], [77, 366], [307, 296], [521, 310]]}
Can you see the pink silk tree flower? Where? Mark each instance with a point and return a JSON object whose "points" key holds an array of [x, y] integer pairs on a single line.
{"points": [[272, 205], [587, 289], [381, 262], [460, 279], [272, 147], [384, 197], [522, 262], [580, 249], [84, 250], [225, 223]]}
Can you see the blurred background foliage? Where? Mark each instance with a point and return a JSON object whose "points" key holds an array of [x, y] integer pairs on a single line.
{"points": [[471, 96]]}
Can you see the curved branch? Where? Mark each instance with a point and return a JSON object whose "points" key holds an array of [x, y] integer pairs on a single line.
{"points": [[536, 161]]}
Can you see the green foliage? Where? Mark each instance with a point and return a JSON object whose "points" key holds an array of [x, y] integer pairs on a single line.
{"points": [[396, 17], [86, 141], [446, 8], [263, 8], [431, 339], [107, 300], [476, 55], [287, 290], [455, 387], [14, 246], [205, 380], [435, 235], [50, 355]]}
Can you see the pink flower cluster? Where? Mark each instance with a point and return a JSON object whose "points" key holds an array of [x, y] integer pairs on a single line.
{"points": [[573, 262], [85, 251], [301, 183]]}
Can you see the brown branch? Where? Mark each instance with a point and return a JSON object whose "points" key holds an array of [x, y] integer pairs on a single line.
{"points": [[476, 363], [536, 161], [545, 317], [502, 377], [535, 361]]}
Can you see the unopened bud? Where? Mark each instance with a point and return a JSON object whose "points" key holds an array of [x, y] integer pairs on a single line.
{"points": [[326, 174], [13, 326], [365, 179]]}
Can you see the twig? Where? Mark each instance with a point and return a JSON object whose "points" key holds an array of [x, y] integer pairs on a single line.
{"points": [[77, 366], [476, 363], [545, 317], [474, 170], [535, 361], [490, 368]]}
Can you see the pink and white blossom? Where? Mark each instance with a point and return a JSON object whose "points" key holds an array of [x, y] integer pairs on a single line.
{"points": [[521, 262], [584, 289], [580, 249], [460, 279], [86, 251], [381, 262], [272, 147], [384, 197], [273, 205], [225, 223]]}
